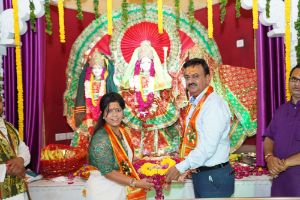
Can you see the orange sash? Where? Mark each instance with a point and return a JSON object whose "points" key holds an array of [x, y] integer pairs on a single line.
{"points": [[190, 136], [125, 164]]}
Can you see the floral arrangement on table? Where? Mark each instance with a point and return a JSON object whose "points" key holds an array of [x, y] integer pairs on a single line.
{"points": [[155, 170], [243, 166]]}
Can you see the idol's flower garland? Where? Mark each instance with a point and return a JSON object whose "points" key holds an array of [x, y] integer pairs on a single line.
{"points": [[79, 10], [237, 8], [155, 170], [191, 13], [48, 18], [96, 11], [143, 5], [287, 45], [143, 102], [223, 4], [297, 27], [160, 16], [177, 11], [91, 103], [268, 8], [61, 15], [210, 28], [255, 14], [19, 69], [32, 16]]}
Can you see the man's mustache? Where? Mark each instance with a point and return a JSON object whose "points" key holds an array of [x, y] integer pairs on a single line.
{"points": [[192, 84]]}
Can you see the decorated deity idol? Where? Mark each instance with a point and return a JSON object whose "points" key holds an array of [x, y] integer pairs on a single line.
{"points": [[95, 80], [150, 114]]}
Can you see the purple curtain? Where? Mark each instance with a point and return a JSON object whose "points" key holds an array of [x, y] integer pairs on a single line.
{"points": [[33, 58], [271, 83]]}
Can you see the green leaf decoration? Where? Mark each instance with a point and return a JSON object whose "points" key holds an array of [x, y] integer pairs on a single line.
{"points": [[191, 13], [48, 18], [125, 12], [177, 11], [32, 16], [144, 2], [79, 10], [96, 11], [268, 8], [237, 8], [223, 4]]}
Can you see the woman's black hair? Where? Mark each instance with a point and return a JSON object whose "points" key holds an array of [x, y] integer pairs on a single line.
{"points": [[104, 102]]}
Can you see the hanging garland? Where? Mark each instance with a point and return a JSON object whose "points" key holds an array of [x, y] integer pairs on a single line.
{"points": [[223, 4], [109, 17], [210, 28], [144, 8], [79, 10], [191, 13], [61, 19], [237, 8], [297, 27], [19, 70], [287, 45], [96, 6], [125, 12], [160, 16], [32, 16], [177, 11], [268, 8], [255, 14], [48, 18]]}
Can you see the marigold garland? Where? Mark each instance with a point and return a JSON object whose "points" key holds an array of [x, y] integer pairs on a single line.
{"points": [[297, 27], [109, 17], [79, 10], [160, 16], [61, 17], [48, 18], [19, 70], [32, 16], [237, 8], [255, 14], [150, 169], [210, 28], [287, 45]]}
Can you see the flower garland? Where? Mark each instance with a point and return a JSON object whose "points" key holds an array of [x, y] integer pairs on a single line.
{"points": [[91, 103], [109, 17], [160, 16], [19, 70], [61, 15], [255, 14], [287, 45], [48, 18], [237, 8], [150, 169], [96, 6], [79, 10], [191, 13], [297, 27], [210, 28], [177, 11], [32, 16], [223, 4], [138, 88], [268, 8]]}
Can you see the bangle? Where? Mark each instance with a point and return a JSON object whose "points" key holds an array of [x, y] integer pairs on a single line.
{"points": [[132, 182], [268, 156]]}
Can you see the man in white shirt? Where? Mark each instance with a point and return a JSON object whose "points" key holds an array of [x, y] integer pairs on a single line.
{"points": [[205, 145], [14, 156]]}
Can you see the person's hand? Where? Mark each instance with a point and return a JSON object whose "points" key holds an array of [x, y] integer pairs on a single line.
{"points": [[172, 174], [144, 183], [16, 167], [183, 176], [275, 165]]}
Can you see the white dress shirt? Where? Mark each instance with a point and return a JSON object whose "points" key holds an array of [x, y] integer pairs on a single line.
{"points": [[23, 151], [213, 126]]}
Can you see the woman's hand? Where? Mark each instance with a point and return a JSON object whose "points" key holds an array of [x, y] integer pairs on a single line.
{"points": [[275, 165], [144, 183]]}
